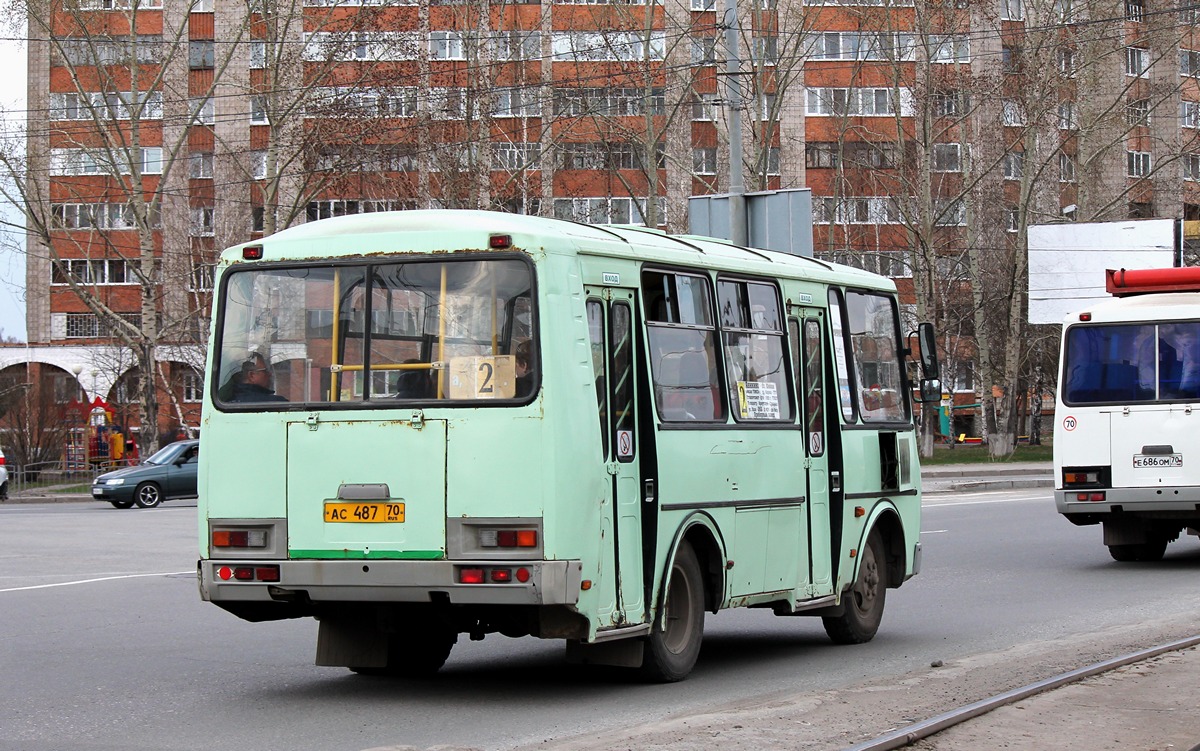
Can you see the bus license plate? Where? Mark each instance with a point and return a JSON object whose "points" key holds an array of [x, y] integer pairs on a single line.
{"points": [[364, 512], [1152, 461]]}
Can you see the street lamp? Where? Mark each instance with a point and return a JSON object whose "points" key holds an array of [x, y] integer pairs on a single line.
{"points": [[84, 446]]}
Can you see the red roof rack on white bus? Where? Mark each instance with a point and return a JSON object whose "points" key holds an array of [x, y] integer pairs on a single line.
{"points": [[1125, 282]]}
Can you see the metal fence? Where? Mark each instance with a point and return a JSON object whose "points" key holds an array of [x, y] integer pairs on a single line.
{"points": [[56, 476]]}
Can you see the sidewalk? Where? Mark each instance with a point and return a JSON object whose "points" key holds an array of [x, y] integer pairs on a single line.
{"points": [[945, 478]]}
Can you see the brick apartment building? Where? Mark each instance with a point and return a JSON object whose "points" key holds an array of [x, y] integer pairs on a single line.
{"points": [[161, 131]]}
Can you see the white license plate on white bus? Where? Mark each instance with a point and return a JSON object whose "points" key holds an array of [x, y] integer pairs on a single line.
{"points": [[1154, 461]]}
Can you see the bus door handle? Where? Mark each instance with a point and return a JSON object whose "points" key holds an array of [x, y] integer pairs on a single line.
{"points": [[835, 482], [648, 491]]}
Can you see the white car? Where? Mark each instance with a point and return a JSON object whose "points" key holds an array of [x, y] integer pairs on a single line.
{"points": [[3, 478]]}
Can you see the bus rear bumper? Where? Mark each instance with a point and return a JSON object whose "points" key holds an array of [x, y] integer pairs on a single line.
{"points": [[374, 581], [1182, 503]]}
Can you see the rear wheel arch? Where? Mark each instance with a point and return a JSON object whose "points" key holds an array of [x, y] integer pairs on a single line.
{"points": [[891, 532]]}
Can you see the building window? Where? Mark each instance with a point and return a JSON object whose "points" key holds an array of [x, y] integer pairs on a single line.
{"points": [[90, 271], [704, 50], [1136, 62], [765, 50], [704, 4], [514, 157], [258, 54], [202, 54], [949, 103], [447, 45], [1064, 10], [193, 387], [258, 110], [1137, 163], [1137, 112], [1141, 211], [949, 213], [1189, 114], [203, 112], [1191, 167], [774, 161], [1010, 59], [857, 102], [1067, 117], [855, 210], [951, 48], [1014, 165], [1012, 10], [200, 165], [704, 107], [203, 221], [1134, 10], [607, 210], [1066, 168], [258, 219], [1012, 113], [1066, 62], [946, 157], [1189, 63], [1012, 217], [517, 45], [87, 326], [704, 161], [516, 103]]}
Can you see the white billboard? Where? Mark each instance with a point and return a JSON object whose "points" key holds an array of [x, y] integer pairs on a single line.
{"points": [[1067, 261]]}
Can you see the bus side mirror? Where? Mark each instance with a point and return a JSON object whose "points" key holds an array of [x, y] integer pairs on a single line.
{"points": [[931, 384]]}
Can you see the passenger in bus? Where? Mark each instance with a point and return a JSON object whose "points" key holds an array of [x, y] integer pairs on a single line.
{"points": [[522, 362], [1180, 360], [413, 384], [254, 382]]}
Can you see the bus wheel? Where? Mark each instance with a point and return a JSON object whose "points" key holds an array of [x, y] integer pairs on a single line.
{"points": [[147, 495], [670, 653], [864, 601], [1143, 551], [415, 652]]}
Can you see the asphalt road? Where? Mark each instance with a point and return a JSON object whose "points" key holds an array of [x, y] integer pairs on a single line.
{"points": [[106, 644]]}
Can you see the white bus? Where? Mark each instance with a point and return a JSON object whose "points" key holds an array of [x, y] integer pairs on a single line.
{"points": [[1127, 419]]}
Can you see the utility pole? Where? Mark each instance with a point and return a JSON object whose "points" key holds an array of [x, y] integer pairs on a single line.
{"points": [[733, 100]]}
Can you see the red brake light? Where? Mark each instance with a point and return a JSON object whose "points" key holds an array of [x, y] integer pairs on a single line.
{"points": [[471, 576], [501, 575], [526, 538], [499, 242], [1, 461], [252, 253]]}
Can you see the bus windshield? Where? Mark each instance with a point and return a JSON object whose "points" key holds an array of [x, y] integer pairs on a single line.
{"points": [[1132, 362], [360, 333]]}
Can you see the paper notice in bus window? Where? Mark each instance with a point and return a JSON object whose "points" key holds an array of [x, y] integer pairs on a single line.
{"points": [[758, 400], [483, 377]]}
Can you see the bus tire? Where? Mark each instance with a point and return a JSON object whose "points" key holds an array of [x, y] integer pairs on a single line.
{"points": [[671, 651], [1142, 551], [147, 495], [415, 652], [863, 603]]}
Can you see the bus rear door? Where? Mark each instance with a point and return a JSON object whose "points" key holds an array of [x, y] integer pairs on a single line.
{"points": [[611, 327], [806, 330]]}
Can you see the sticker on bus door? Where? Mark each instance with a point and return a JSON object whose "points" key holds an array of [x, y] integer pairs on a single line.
{"points": [[624, 444]]}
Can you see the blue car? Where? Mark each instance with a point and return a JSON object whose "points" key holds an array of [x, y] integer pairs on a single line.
{"points": [[169, 473]]}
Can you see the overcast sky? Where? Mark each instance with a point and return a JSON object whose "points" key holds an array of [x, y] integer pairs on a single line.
{"points": [[12, 265]]}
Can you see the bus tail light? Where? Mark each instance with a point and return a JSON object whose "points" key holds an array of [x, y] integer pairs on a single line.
{"points": [[508, 538], [1093, 496], [471, 576], [248, 573], [239, 538], [1074, 478]]}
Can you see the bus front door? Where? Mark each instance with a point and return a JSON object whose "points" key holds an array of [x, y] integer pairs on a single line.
{"points": [[808, 349], [610, 313]]}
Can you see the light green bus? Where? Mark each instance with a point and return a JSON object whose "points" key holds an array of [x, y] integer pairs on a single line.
{"points": [[431, 423]]}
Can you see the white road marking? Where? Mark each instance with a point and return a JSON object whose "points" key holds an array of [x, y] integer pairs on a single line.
{"points": [[933, 531], [92, 581]]}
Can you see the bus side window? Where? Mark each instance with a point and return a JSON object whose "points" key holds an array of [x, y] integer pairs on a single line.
{"points": [[683, 356]]}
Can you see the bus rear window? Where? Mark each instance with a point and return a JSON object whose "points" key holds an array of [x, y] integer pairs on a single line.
{"points": [[1139, 362], [411, 332]]}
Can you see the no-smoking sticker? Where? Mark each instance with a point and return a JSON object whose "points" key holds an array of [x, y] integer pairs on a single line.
{"points": [[624, 443], [1070, 423]]}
